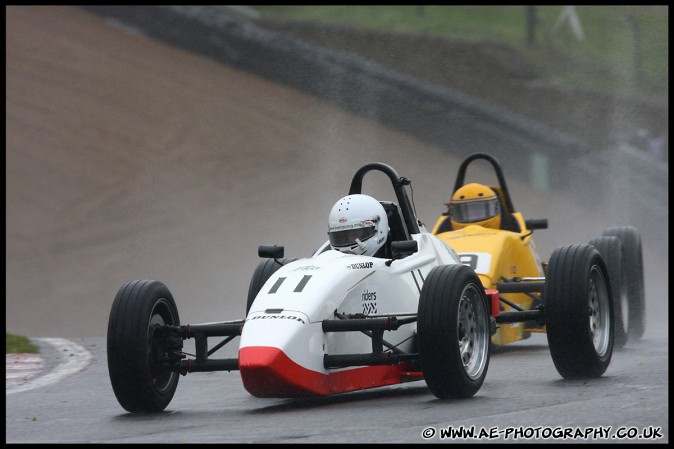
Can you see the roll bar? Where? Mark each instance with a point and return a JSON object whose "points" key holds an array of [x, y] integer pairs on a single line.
{"points": [[461, 176], [399, 184]]}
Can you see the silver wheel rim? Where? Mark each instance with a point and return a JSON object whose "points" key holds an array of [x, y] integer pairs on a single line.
{"points": [[599, 313], [472, 332]]}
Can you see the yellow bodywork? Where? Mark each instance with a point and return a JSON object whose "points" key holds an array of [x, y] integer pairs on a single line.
{"points": [[495, 254]]}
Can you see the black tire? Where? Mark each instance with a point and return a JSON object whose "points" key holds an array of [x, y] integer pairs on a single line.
{"points": [[134, 353], [453, 332], [611, 249], [579, 311], [262, 273], [633, 267]]}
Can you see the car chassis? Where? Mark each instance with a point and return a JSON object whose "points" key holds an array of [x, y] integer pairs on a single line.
{"points": [[144, 360]]}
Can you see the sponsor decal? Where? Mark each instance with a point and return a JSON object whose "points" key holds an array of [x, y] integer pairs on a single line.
{"points": [[307, 268], [360, 265], [343, 220], [277, 317], [369, 302], [344, 227]]}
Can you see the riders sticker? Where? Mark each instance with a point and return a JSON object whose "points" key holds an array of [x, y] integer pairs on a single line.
{"points": [[369, 300]]}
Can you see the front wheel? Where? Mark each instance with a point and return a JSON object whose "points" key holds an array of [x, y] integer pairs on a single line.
{"points": [[579, 311], [453, 332], [136, 350]]}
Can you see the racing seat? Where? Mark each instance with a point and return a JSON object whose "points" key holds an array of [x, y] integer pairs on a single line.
{"points": [[397, 229]]}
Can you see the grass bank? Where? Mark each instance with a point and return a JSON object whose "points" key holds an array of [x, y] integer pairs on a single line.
{"points": [[593, 47], [17, 344]]}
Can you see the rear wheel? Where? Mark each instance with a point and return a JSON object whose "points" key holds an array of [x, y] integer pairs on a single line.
{"points": [[262, 273], [453, 332], [137, 349], [633, 268], [611, 249], [579, 312]]}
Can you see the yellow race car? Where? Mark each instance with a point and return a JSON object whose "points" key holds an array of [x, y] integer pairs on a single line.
{"points": [[531, 295]]}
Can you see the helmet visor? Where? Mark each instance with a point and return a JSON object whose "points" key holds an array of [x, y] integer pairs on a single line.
{"points": [[347, 237], [472, 211]]}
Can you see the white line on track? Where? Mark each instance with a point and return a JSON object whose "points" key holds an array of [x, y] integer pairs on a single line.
{"points": [[73, 359]]}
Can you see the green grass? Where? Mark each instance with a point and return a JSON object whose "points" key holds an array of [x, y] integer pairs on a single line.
{"points": [[624, 46], [16, 344]]}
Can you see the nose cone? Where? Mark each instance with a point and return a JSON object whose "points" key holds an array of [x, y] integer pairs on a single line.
{"points": [[267, 372]]}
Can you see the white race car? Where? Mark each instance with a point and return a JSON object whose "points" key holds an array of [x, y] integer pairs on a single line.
{"points": [[321, 325]]}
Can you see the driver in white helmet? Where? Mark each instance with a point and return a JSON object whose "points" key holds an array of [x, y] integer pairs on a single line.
{"points": [[357, 224]]}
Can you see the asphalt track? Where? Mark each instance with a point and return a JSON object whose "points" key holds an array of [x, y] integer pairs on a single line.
{"points": [[523, 400], [128, 159]]}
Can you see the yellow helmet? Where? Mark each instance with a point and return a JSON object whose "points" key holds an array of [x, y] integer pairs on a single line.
{"points": [[475, 204]]}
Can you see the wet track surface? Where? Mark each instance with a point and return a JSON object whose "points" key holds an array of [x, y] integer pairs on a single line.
{"points": [[522, 396]]}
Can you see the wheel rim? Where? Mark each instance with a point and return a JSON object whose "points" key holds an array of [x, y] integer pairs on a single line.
{"points": [[472, 332], [599, 313], [162, 315]]}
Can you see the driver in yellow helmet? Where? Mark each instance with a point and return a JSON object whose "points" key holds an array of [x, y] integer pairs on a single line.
{"points": [[475, 204]]}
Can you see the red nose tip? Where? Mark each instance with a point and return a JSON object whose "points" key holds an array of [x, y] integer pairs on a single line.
{"points": [[268, 372]]}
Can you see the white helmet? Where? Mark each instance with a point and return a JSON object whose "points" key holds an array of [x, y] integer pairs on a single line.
{"points": [[358, 225]]}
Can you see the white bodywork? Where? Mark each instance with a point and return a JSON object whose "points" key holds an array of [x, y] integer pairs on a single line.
{"points": [[288, 311]]}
